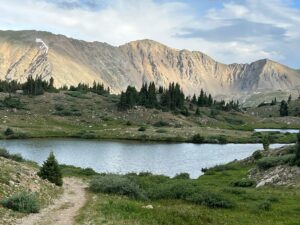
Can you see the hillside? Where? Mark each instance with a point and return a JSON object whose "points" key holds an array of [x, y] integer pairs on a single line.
{"points": [[17, 177], [72, 61], [89, 115]]}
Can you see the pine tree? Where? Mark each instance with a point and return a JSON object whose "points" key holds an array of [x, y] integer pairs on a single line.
{"points": [[152, 101], [201, 98], [50, 171], [298, 147], [266, 142], [284, 111], [143, 95], [289, 99], [197, 113], [194, 99]]}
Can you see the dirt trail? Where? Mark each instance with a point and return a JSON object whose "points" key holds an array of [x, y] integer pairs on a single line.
{"points": [[64, 209]]}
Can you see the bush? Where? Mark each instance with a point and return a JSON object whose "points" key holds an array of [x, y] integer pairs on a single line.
{"points": [[210, 200], [173, 190], [266, 142], [161, 123], [4, 153], [220, 168], [128, 123], [197, 138], [222, 139], [15, 157], [268, 162], [59, 107], [244, 183], [161, 131], [51, 171], [257, 155], [265, 206], [12, 102], [8, 132], [145, 174], [22, 202], [142, 129], [116, 184], [182, 176]]}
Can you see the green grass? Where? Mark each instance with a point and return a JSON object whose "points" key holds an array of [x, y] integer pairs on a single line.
{"points": [[68, 114], [224, 195]]}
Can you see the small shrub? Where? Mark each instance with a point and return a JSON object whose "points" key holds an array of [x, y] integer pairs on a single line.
{"points": [[13, 102], [222, 139], [173, 190], [8, 132], [4, 153], [221, 168], [264, 206], [273, 199], [142, 129], [22, 202], [161, 123], [235, 191], [182, 176], [197, 138], [128, 123], [59, 107], [161, 131], [116, 184], [145, 174], [268, 162], [210, 200], [244, 183], [257, 155], [16, 157]]}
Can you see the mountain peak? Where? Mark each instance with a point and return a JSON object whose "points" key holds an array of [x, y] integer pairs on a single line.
{"points": [[70, 61]]}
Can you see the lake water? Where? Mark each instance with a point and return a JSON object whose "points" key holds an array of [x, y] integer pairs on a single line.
{"points": [[124, 157], [292, 131]]}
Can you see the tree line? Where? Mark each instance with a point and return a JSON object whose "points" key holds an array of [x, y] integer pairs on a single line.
{"points": [[171, 98], [38, 86]]}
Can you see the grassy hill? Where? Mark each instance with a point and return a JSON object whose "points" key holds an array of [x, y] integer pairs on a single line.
{"points": [[88, 115], [18, 176]]}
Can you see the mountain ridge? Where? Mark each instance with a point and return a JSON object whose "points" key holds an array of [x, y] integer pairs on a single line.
{"points": [[71, 61]]}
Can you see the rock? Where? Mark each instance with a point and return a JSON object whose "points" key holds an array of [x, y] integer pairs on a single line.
{"points": [[147, 207]]}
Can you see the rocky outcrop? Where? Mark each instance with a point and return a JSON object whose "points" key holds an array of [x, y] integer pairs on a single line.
{"points": [[72, 61], [282, 175]]}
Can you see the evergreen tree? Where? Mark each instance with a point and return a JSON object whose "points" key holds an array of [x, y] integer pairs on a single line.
{"points": [[266, 142], [50, 171], [152, 101], [289, 99], [298, 147], [283, 108], [194, 99], [143, 95], [201, 98], [197, 113]]}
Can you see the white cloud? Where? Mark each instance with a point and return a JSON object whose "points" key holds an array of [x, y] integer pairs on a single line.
{"points": [[120, 21]]}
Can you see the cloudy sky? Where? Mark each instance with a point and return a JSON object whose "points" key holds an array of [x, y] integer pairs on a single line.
{"points": [[227, 30]]}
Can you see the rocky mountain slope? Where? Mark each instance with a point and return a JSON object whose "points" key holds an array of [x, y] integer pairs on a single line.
{"points": [[17, 177], [70, 61]]}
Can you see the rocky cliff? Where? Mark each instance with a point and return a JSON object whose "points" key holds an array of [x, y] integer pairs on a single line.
{"points": [[70, 61]]}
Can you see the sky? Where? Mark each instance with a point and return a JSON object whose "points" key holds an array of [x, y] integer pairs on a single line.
{"points": [[230, 31]]}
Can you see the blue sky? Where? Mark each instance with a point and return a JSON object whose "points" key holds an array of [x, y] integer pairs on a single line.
{"points": [[228, 30]]}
